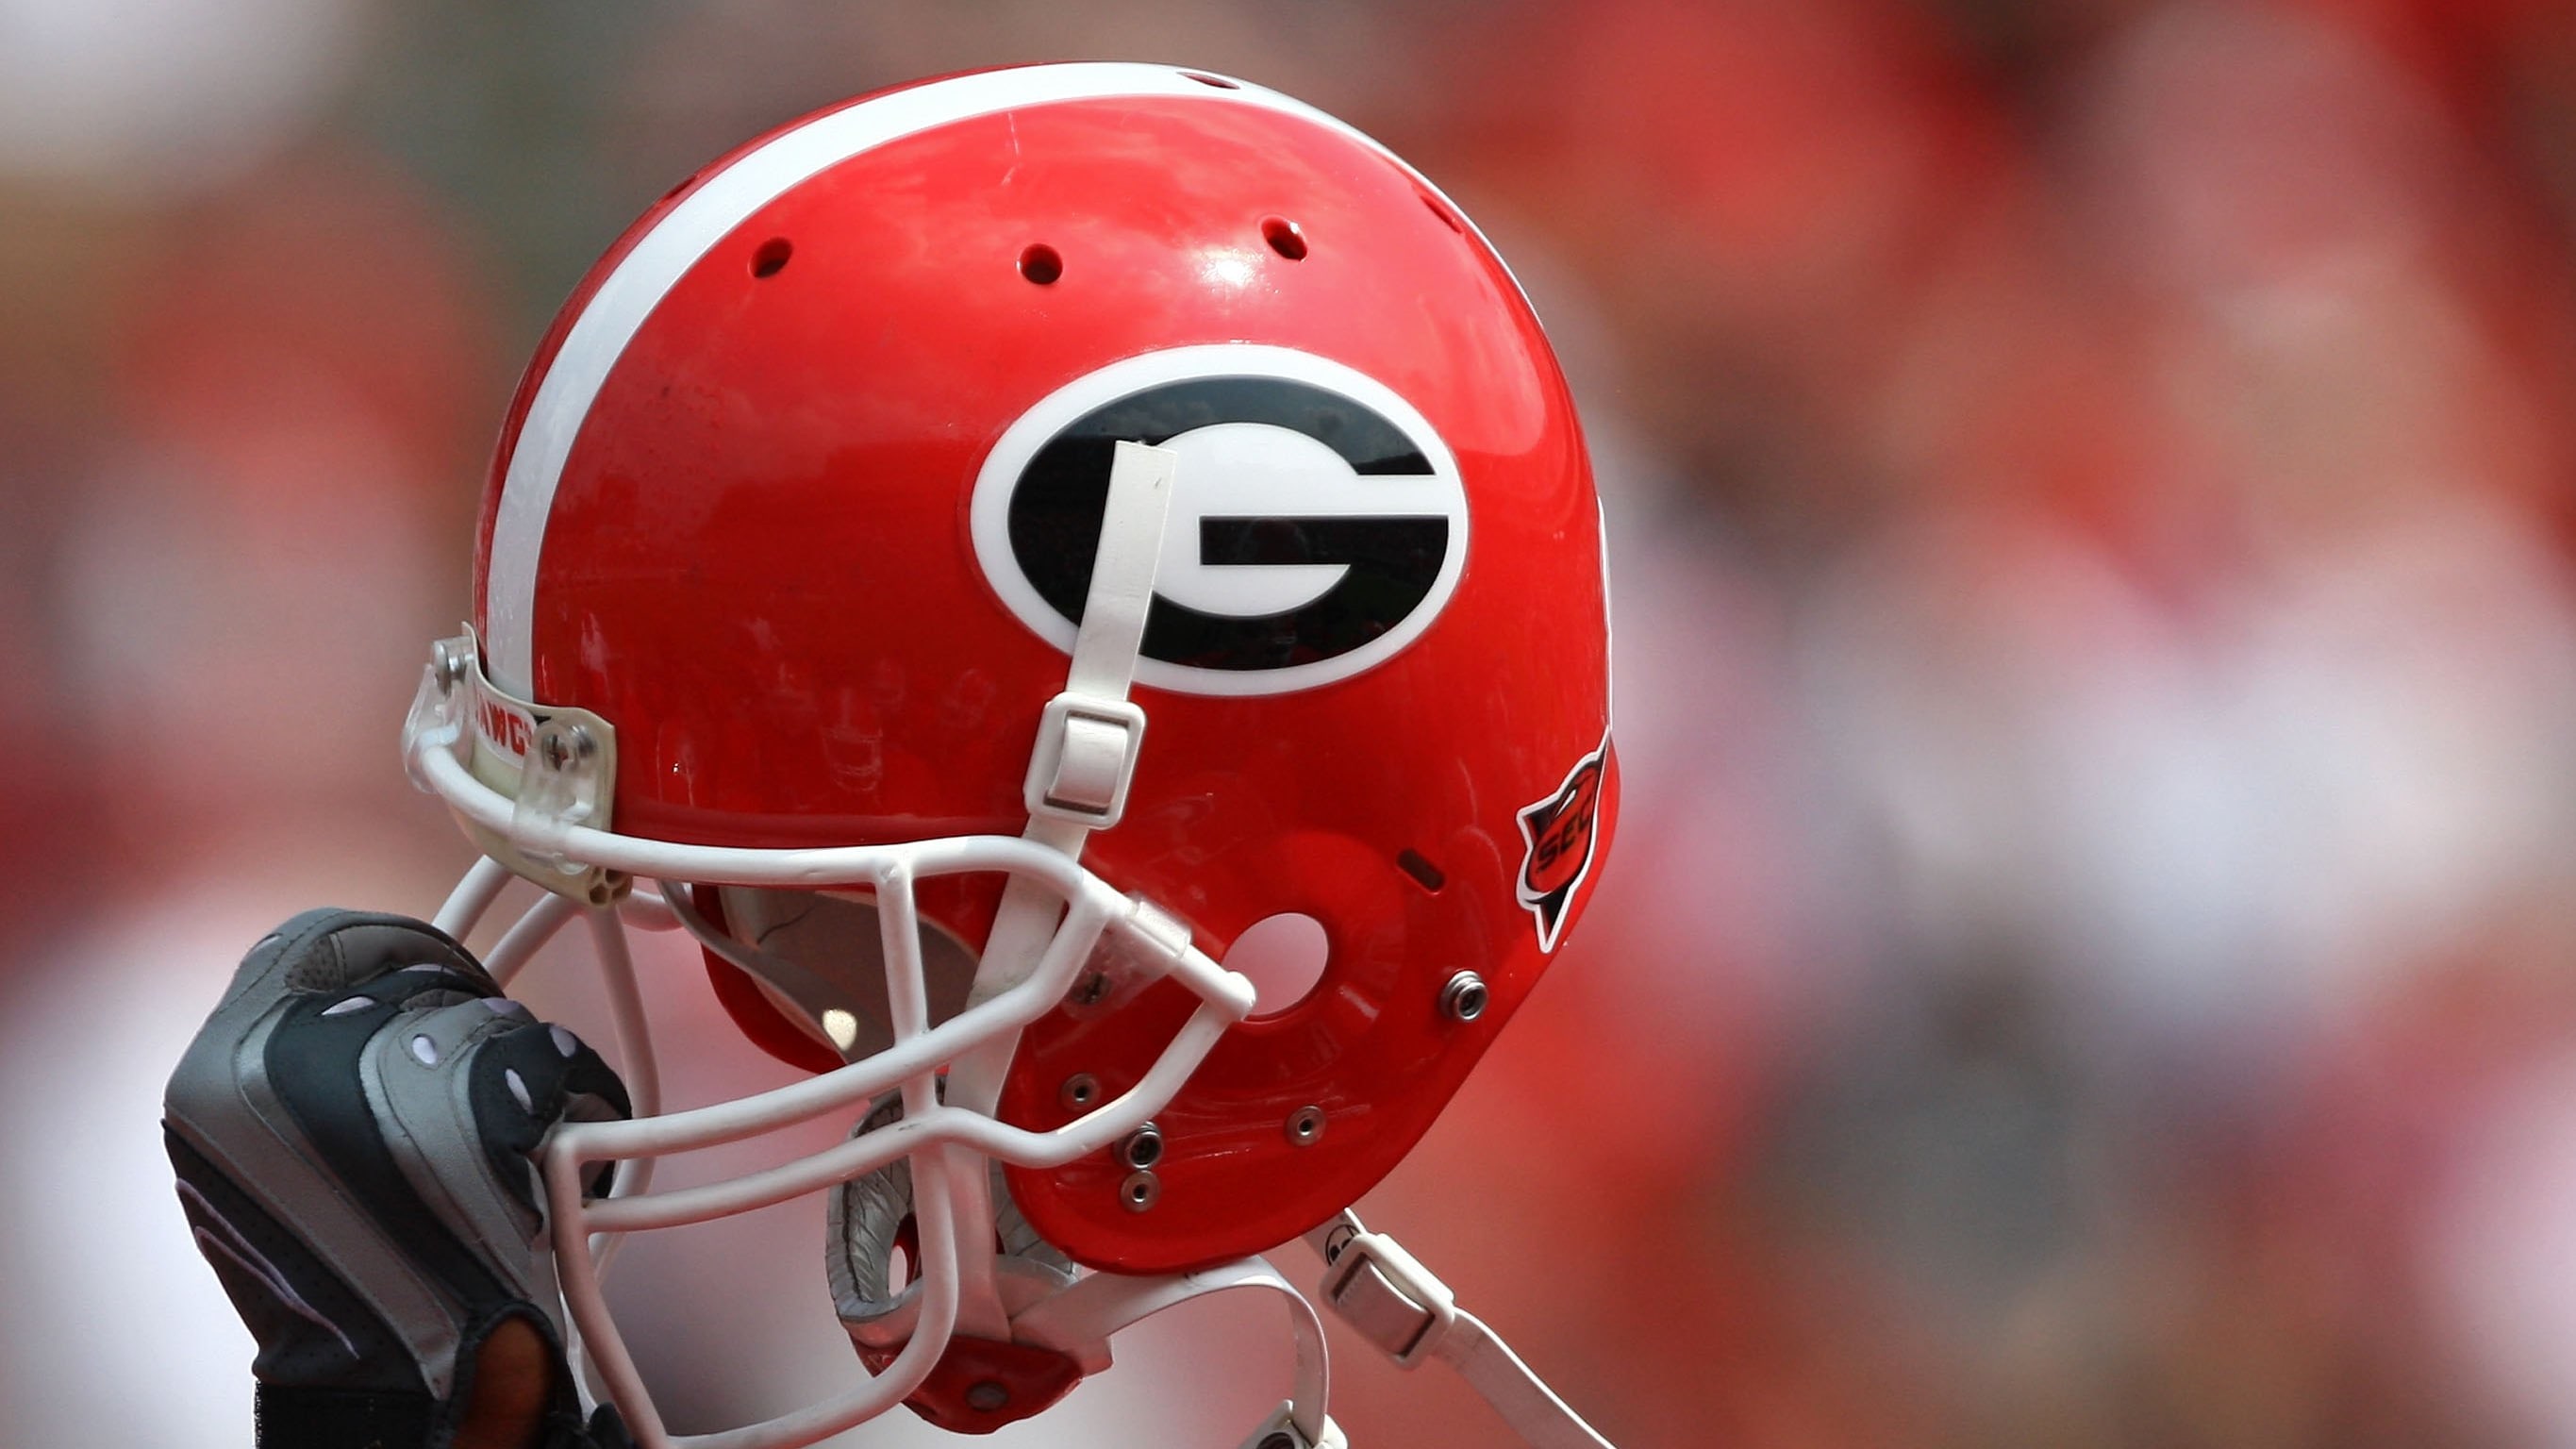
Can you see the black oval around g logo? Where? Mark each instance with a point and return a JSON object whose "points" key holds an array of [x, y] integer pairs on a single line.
{"points": [[1312, 533]]}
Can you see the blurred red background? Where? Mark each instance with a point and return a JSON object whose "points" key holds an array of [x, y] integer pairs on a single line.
{"points": [[2090, 958]]}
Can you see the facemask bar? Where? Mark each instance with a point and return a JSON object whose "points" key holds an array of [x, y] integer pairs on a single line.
{"points": [[1093, 911], [907, 999]]}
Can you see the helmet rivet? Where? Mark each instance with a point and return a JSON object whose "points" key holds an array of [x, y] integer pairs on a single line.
{"points": [[987, 1395], [1143, 1147], [1140, 1190], [1280, 1440], [1463, 999], [446, 665], [1078, 1092], [1305, 1125]]}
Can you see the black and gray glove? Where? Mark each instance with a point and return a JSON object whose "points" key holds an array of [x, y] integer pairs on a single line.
{"points": [[351, 1131]]}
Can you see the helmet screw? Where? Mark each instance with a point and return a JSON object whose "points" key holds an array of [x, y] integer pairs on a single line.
{"points": [[561, 748], [446, 665], [1305, 1125], [1464, 998], [1078, 1092], [987, 1395], [1140, 1191], [1142, 1149]]}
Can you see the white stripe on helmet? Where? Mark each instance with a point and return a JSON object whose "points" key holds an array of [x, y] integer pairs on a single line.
{"points": [[617, 310]]}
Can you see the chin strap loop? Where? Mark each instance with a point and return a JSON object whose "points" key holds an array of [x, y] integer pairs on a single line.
{"points": [[1387, 1296]]}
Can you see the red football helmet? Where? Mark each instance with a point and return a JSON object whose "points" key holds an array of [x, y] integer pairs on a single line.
{"points": [[990, 552]]}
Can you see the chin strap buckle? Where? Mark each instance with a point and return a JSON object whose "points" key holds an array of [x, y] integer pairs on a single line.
{"points": [[1084, 760], [1385, 1293], [1390, 1299]]}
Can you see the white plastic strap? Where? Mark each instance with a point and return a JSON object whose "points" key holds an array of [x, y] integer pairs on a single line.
{"points": [[1122, 571], [1089, 736], [1394, 1302], [1088, 739]]}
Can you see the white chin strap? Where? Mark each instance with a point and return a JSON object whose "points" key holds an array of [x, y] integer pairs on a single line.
{"points": [[1387, 1297], [1053, 918], [1088, 740]]}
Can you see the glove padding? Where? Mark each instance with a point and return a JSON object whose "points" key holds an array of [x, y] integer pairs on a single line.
{"points": [[352, 1132]]}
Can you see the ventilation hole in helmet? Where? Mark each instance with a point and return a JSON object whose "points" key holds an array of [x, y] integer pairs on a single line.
{"points": [[1040, 264], [1283, 957], [1417, 865], [772, 257], [1218, 81], [1448, 218], [1284, 237]]}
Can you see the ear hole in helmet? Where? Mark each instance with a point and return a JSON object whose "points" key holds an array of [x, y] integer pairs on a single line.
{"points": [[772, 257], [1284, 236], [1218, 81], [1283, 957], [1040, 264]]}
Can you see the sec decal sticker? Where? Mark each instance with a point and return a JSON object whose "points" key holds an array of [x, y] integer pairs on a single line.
{"points": [[1318, 523], [1560, 834]]}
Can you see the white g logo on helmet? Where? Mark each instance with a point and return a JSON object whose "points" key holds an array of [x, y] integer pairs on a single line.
{"points": [[1318, 524]]}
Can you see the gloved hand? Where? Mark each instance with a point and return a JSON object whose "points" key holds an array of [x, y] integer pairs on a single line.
{"points": [[352, 1131]]}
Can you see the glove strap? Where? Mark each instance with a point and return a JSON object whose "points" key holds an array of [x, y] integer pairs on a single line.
{"points": [[1387, 1296]]}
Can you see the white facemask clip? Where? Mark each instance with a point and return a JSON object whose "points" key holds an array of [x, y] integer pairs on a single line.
{"points": [[557, 767]]}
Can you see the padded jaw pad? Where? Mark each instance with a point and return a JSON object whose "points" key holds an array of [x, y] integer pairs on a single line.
{"points": [[871, 1215]]}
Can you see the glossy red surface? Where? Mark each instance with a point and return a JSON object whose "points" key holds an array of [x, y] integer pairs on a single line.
{"points": [[979, 1384], [759, 570]]}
